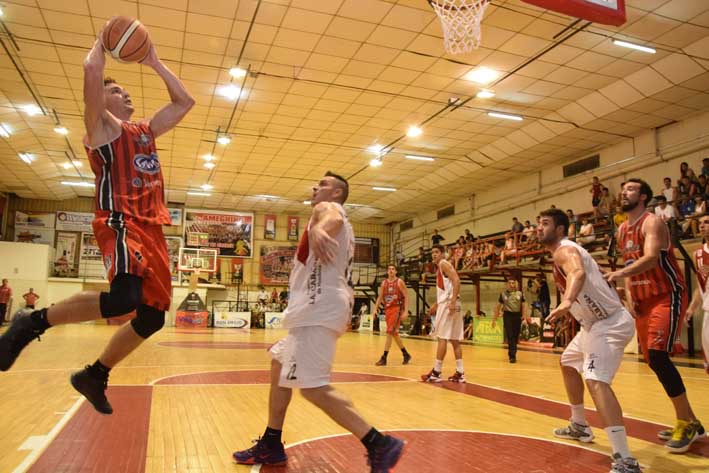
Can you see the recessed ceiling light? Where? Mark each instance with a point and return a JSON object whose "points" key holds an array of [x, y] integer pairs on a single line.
{"points": [[207, 187], [237, 72], [210, 165], [482, 75], [62, 130], [419, 158], [506, 116], [26, 157], [31, 109], [637, 47], [266, 196], [385, 189], [201, 194], [5, 130], [376, 148], [485, 94], [78, 184], [306, 202], [223, 139], [229, 91], [414, 131], [375, 163], [209, 157], [67, 165], [1, 12], [77, 164]]}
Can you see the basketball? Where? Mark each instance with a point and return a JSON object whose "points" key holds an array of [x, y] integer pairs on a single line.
{"points": [[126, 39]]}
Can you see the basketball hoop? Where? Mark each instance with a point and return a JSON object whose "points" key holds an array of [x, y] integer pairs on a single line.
{"points": [[460, 20]]}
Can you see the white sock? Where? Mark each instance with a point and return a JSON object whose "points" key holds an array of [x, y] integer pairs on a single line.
{"points": [[577, 414], [438, 366], [619, 440], [459, 366]]}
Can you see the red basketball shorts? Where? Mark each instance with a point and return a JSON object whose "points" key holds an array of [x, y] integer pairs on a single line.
{"points": [[393, 318], [657, 321], [132, 247]]}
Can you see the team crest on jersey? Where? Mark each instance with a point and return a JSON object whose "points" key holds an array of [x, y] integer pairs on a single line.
{"points": [[137, 182], [143, 139], [146, 164]]}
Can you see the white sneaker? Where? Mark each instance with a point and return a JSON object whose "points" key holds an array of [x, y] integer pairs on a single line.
{"points": [[575, 431]]}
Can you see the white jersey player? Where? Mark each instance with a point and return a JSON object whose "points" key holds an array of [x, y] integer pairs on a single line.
{"points": [[701, 293], [449, 318], [319, 308], [597, 350]]}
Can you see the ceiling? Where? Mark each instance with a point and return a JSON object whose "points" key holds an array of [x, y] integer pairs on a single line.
{"points": [[330, 78]]}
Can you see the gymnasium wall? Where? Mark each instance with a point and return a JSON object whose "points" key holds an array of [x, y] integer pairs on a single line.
{"points": [[25, 266]]}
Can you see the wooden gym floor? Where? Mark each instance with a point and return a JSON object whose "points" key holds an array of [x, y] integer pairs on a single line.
{"points": [[187, 398]]}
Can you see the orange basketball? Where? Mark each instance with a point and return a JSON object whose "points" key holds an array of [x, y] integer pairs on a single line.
{"points": [[126, 39]]}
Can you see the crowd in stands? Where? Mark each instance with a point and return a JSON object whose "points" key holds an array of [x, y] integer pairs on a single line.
{"points": [[679, 205]]}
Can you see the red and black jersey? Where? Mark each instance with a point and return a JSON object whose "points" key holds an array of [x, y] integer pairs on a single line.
{"points": [[128, 175], [664, 278], [701, 261], [392, 293]]}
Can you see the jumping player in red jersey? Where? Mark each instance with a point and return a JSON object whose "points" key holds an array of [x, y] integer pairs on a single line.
{"points": [[396, 306], [658, 298], [130, 212]]}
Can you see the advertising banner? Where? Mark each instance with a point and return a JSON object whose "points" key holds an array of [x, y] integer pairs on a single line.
{"points": [[232, 319], [483, 332], [34, 227], [230, 233], [74, 221], [276, 264], [274, 320], [269, 227], [35, 220], [65, 256], [293, 223]]}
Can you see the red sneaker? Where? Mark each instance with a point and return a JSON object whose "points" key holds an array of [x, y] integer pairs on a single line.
{"points": [[457, 377]]}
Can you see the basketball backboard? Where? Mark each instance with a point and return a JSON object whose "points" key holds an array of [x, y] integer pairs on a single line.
{"points": [[197, 259], [606, 12]]}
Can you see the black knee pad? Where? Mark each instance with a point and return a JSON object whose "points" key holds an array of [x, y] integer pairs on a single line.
{"points": [[148, 321], [666, 372], [124, 297]]}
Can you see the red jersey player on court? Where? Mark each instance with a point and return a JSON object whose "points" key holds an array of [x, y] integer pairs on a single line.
{"points": [[396, 309], [658, 296], [130, 212]]}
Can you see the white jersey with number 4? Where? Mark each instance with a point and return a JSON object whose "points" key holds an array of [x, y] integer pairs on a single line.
{"points": [[597, 299], [322, 295]]}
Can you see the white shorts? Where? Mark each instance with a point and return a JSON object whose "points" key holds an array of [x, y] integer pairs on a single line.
{"points": [[449, 326], [306, 356], [597, 353], [705, 340]]}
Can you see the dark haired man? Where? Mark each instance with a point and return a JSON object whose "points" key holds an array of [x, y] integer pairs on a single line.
{"points": [[396, 308]]}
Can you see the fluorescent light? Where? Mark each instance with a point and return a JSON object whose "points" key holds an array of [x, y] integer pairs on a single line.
{"points": [[207, 187], [419, 158], [26, 157], [62, 130], [209, 165], [1, 12], [78, 183], [237, 72], [202, 194], [229, 91], [414, 131], [625, 44], [506, 116], [376, 148], [375, 163], [5, 130], [208, 157], [31, 109], [266, 196], [485, 94], [482, 75], [354, 205], [223, 139], [385, 189], [72, 164], [306, 202]]}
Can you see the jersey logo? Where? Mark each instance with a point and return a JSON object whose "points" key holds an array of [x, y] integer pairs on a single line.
{"points": [[143, 139], [137, 182], [146, 164]]}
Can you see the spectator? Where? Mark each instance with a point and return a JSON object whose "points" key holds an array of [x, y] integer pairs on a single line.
{"points": [[468, 325], [666, 212], [510, 248], [283, 297], [30, 298], [686, 207], [682, 190], [691, 176], [619, 217], [543, 294], [262, 297], [705, 167], [683, 168], [5, 295], [436, 239], [604, 206], [570, 214], [517, 227], [469, 236], [690, 226], [702, 186], [529, 233], [596, 192], [586, 233], [573, 222], [669, 192]]}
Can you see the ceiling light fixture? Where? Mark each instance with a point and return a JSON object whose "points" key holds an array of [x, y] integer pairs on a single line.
{"points": [[482, 75], [237, 72], [419, 158], [201, 194], [385, 189], [26, 157], [5, 131], [223, 139], [78, 184], [414, 131], [210, 165], [376, 148], [207, 187], [637, 47], [209, 157], [62, 130], [375, 163], [1, 12], [266, 196], [485, 94], [31, 109], [506, 116], [72, 164], [306, 202], [229, 91]]}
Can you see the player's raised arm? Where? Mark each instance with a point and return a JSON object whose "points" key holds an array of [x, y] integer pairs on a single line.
{"points": [[180, 99], [94, 99]]}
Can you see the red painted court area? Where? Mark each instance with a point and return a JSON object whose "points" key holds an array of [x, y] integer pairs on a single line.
{"points": [[474, 452]]}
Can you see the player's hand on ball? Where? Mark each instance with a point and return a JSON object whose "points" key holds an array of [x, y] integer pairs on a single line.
{"points": [[324, 246], [152, 58]]}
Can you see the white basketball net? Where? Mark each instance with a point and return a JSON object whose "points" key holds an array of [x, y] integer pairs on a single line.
{"points": [[460, 20]]}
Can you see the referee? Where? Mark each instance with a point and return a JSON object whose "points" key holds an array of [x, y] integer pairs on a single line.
{"points": [[511, 303]]}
